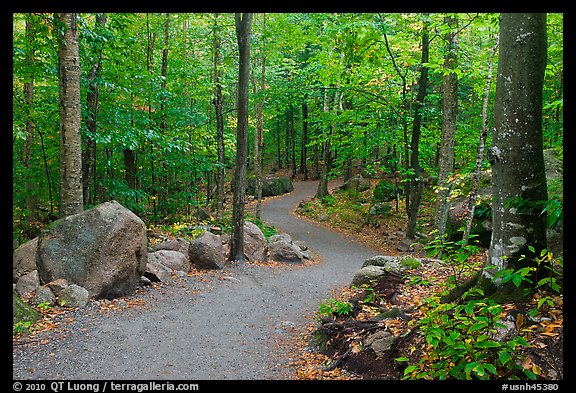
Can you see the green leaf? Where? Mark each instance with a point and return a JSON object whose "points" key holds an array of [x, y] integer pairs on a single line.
{"points": [[504, 356], [487, 344], [402, 359], [476, 326], [409, 369], [490, 368]]}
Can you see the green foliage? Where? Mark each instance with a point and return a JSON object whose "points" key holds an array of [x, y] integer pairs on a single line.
{"points": [[461, 343], [544, 262], [333, 307], [21, 328], [455, 253]]}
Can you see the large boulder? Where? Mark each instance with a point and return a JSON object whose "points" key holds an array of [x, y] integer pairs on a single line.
{"points": [[174, 260], [207, 251], [22, 311], [102, 249], [255, 244], [24, 259], [272, 185], [179, 244], [357, 183]]}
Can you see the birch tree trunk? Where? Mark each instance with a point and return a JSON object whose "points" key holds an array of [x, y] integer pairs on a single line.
{"points": [[481, 144], [71, 199]]}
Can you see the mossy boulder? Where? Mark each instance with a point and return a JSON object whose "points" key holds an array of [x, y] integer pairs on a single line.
{"points": [[22, 311]]}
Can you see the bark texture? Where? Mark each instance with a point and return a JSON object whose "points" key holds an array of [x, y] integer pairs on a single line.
{"points": [[243, 30], [516, 156], [71, 200]]}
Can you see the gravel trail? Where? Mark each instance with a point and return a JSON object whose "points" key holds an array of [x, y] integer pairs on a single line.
{"points": [[225, 325]]}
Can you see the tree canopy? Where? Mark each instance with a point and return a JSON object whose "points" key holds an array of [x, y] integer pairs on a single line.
{"points": [[154, 140]]}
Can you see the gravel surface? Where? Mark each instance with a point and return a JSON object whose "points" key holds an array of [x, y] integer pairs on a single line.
{"points": [[231, 324]]}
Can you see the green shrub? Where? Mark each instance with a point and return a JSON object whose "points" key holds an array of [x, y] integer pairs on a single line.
{"points": [[460, 343]]}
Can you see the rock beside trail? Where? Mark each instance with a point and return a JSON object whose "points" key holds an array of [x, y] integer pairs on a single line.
{"points": [[174, 260], [102, 249], [178, 244], [357, 183], [22, 311], [255, 244], [74, 296], [378, 266], [282, 249], [207, 251], [272, 185], [24, 259], [156, 271]]}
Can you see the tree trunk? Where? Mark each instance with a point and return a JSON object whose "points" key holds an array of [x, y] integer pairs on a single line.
{"points": [[31, 197], [92, 102], [481, 143], [164, 184], [259, 130], [449, 121], [220, 171], [243, 24], [322, 189], [303, 151], [518, 174], [71, 199], [416, 179]]}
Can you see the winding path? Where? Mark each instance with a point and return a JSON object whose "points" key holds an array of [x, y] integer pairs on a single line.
{"points": [[223, 327]]}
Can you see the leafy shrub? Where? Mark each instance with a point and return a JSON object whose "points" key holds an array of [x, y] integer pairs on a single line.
{"points": [[384, 191], [460, 342], [334, 307]]}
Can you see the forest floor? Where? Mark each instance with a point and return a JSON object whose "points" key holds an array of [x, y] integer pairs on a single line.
{"points": [[333, 346]]}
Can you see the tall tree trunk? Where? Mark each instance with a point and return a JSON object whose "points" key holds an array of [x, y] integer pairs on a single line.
{"points": [[303, 151], [518, 174], [151, 39], [71, 199], [164, 184], [481, 143], [92, 102], [243, 24], [449, 121], [416, 179], [259, 130], [322, 189], [31, 197], [220, 172], [292, 131]]}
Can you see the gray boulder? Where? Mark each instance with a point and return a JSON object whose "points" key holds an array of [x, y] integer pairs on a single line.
{"points": [[367, 275], [28, 283], [58, 285], [283, 251], [22, 311], [74, 296], [357, 183], [179, 244], [156, 271], [24, 259], [102, 249], [380, 342], [255, 244], [207, 252], [272, 185], [43, 295], [174, 260]]}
